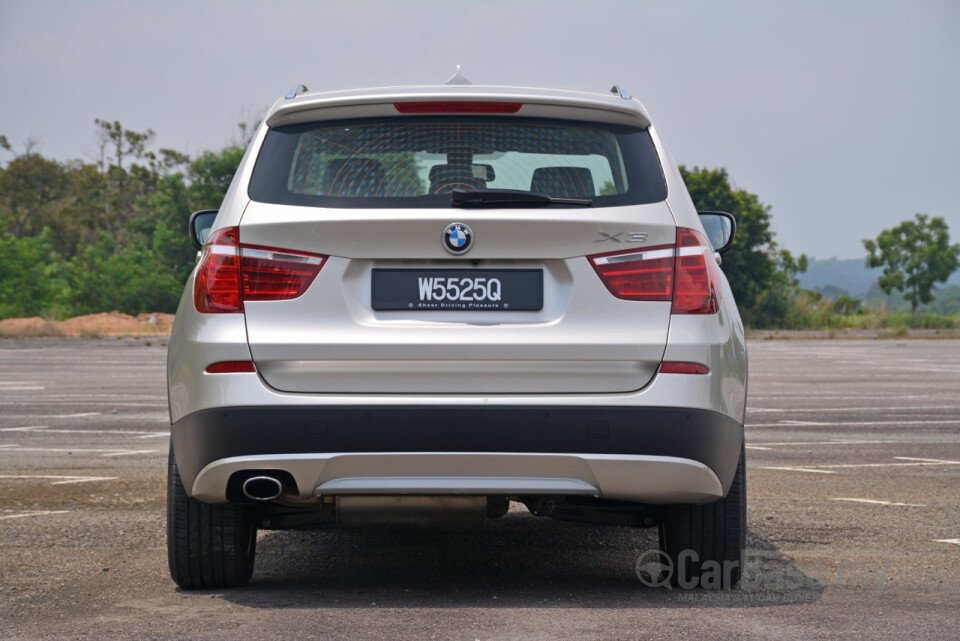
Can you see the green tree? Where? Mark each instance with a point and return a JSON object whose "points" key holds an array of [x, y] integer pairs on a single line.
{"points": [[210, 175], [130, 172], [132, 279], [847, 305], [29, 186], [762, 275], [81, 237], [29, 274], [164, 232], [946, 300], [915, 255], [80, 215]]}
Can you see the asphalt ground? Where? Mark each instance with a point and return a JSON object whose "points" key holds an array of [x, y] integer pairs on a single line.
{"points": [[854, 521]]}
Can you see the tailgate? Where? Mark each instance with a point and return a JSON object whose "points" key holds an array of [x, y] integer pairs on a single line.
{"points": [[332, 339]]}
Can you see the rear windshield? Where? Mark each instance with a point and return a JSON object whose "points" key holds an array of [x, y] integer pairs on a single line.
{"points": [[417, 162]]}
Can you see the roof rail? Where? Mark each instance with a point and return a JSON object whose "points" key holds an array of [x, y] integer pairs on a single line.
{"points": [[619, 90], [295, 91]]}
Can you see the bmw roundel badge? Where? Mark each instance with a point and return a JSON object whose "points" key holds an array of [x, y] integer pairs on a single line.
{"points": [[457, 238]]}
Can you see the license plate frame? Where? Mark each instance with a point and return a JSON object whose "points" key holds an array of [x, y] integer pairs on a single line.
{"points": [[426, 290]]}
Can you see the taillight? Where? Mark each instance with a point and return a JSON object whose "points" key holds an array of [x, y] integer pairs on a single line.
{"points": [[683, 273], [696, 291], [457, 107], [231, 273], [637, 275], [216, 289], [273, 274]]}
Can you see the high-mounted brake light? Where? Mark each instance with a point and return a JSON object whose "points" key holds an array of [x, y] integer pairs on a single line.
{"points": [[231, 273], [458, 107], [684, 273]]}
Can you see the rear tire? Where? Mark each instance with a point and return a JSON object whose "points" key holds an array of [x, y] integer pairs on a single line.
{"points": [[208, 546], [705, 543]]}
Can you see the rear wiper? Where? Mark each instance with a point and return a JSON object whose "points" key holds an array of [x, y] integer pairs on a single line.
{"points": [[509, 198]]}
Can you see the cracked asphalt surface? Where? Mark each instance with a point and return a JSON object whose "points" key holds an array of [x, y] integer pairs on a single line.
{"points": [[854, 521]]}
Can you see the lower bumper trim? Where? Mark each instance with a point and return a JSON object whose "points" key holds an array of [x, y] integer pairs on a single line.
{"points": [[433, 485], [635, 452], [642, 479]]}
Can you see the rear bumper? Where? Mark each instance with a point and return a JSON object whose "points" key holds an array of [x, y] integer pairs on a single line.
{"points": [[644, 454]]}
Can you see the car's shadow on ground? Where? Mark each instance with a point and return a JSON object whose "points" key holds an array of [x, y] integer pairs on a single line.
{"points": [[519, 561]]}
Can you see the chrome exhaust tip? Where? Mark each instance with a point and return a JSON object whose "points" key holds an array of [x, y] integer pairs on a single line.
{"points": [[262, 488]]}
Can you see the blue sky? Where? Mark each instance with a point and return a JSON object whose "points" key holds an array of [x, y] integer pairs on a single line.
{"points": [[843, 116]]}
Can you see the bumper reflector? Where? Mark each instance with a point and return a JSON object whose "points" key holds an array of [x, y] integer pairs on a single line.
{"points": [[231, 367], [680, 367]]}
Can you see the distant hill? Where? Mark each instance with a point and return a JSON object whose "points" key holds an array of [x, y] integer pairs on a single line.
{"points": [[850, 275]]}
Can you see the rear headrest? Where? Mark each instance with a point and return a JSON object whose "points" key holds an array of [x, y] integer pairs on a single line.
{"points": [[563, 182], [352, 177], [444, 178]]}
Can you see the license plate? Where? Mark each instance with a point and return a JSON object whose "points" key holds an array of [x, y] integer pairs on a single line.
{"points": [[458, 289]]}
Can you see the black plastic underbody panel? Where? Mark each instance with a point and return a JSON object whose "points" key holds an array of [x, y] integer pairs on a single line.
{"points": [[708, 437]]}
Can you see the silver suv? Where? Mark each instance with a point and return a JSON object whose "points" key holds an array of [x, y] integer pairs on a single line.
{"points": [[428, 302]]}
